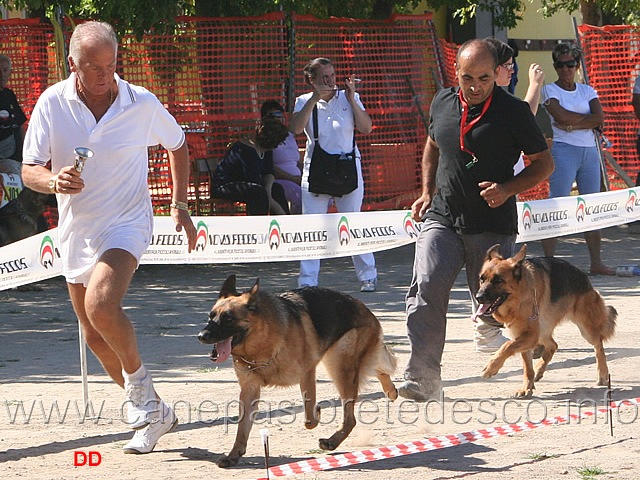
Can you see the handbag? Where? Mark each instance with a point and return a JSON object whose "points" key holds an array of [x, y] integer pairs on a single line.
{"points": [[332, 174]]}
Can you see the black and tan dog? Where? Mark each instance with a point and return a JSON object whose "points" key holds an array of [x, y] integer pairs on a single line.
{"points": [[531, 297], [278, 340]]}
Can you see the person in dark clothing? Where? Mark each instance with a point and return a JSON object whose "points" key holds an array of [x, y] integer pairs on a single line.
{"points": [[245, 172], [12, 118], [476, 134]]}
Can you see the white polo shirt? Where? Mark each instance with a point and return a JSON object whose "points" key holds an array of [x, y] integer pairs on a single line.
{"points": [[335, 123], [116, 192]]}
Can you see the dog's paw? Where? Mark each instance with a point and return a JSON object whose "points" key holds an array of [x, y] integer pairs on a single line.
{"points": [[523, 393], [602, 382], [226, 461], [539, 375], [312, 423], [392, 395], [327, 444], [490, 370]]}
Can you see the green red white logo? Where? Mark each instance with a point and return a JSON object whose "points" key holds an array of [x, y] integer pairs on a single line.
{"points": [[527, 218], [631, 201], [202, 236], [410, 226], [344, 235], [581, 209], [274, 235], [47, 252]]}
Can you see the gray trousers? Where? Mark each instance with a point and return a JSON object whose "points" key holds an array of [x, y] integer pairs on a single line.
{"points": [[440, 255]]}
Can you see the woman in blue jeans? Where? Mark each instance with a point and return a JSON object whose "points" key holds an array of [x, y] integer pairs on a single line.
{"points": [[576, 113]]}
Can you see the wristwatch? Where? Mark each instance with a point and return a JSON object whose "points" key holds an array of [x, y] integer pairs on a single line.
{"points": [[569, 128], [52, 184]]}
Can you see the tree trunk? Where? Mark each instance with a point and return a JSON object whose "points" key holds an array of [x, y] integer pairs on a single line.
{"points": [[590, 12]]}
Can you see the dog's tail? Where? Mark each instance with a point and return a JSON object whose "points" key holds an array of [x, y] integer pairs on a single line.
{"points": [[610, 326]]}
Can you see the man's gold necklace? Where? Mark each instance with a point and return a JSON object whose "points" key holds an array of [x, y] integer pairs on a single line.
{"points": [[83, 99]]}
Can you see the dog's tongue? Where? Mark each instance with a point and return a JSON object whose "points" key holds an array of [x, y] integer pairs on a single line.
{"points": [[224, 350], [483, 307]]}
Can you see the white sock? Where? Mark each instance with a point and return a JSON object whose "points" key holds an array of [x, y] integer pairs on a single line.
{"points": [[137, 375]]}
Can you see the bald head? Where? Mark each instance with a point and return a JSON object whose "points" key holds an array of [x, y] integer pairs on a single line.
{"points": [[476, 69], [478, 51]]}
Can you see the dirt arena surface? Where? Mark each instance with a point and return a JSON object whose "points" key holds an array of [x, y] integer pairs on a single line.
{"points": [[40, 369]]}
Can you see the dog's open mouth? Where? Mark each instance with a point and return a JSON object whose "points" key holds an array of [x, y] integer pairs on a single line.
{"points": [[221, 351], [489, 308]]}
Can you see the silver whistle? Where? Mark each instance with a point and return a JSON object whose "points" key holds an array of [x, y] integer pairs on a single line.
{"points": [[82, 153]]}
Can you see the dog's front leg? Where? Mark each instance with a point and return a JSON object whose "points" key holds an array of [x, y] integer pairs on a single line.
{"points": [[527, 382], [308, 391], [524, 341], [249, 395]]}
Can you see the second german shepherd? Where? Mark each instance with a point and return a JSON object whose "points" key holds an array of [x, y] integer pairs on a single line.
{"points": [[279, 341], [531, 297]]}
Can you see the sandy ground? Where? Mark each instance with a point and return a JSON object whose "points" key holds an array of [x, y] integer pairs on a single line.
{"points": [[39, 370]]}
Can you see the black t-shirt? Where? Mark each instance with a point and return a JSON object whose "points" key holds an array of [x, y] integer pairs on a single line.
{"points": [[241, 163], [9, 104], [507, 128]]}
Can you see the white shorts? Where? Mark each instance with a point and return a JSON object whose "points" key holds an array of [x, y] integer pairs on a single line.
{"points": [[131, 238]]}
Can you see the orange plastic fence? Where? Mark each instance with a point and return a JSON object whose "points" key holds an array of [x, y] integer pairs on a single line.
{"points": [[612, 57], [213, 75]]}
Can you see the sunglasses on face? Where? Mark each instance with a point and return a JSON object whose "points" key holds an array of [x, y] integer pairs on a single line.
{"points": [[569, 64], [275, 115], [508, 66]]}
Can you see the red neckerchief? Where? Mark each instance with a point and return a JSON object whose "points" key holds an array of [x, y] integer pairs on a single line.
{"points": [[465, 128]]}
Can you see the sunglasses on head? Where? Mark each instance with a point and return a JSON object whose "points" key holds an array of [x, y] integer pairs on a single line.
{"points": [[568, 64]]}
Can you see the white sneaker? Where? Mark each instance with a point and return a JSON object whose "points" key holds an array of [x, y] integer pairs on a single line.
{"points": [[142, 402], [145, 440], [487, 338], [368, 286]]}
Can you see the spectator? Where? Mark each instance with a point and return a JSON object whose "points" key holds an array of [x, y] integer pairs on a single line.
{"points": [[339, 113], [245, 172], [286, 159], [513, 81], [576, 113], [106, 219], [12, 121], [476, 133]]}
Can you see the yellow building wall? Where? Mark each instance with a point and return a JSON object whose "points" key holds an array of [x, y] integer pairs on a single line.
{"points": [[535, 27]]}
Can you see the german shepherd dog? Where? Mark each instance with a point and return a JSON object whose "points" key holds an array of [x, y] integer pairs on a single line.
{"points": [[20, 217], [278, 340], [531, 297]]}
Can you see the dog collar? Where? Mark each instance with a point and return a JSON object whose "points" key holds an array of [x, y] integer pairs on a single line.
{"points": [[251, 366]]}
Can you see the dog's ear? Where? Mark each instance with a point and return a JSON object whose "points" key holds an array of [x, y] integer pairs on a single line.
{"points": [[256, 287], [229, 287], [494, 252], [518, 257]]}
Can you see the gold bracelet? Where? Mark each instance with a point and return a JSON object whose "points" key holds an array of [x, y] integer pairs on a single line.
{"points": [[53, 187], [178, 202], [179, 206]]}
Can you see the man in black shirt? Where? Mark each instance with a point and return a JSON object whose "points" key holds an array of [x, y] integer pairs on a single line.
{"points": [[476, 134]]}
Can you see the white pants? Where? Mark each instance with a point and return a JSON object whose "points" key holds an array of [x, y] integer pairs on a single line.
{"points": [[365, 264]]}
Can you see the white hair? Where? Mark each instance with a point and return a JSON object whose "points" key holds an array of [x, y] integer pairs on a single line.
{"points": [[92, 31]]}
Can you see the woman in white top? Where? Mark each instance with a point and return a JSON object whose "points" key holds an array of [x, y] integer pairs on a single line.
{"points": [[576, 112]]}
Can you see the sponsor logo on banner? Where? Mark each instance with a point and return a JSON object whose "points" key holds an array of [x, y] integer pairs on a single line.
{"points": [[605, 210], [527, 216], [47, 252], [580, 210], [632, 201], [344, 234], [410, 226], [202, 234], [274, 235]]}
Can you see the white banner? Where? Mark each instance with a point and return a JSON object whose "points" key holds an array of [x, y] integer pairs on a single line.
{"points": [[297, 237]]}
